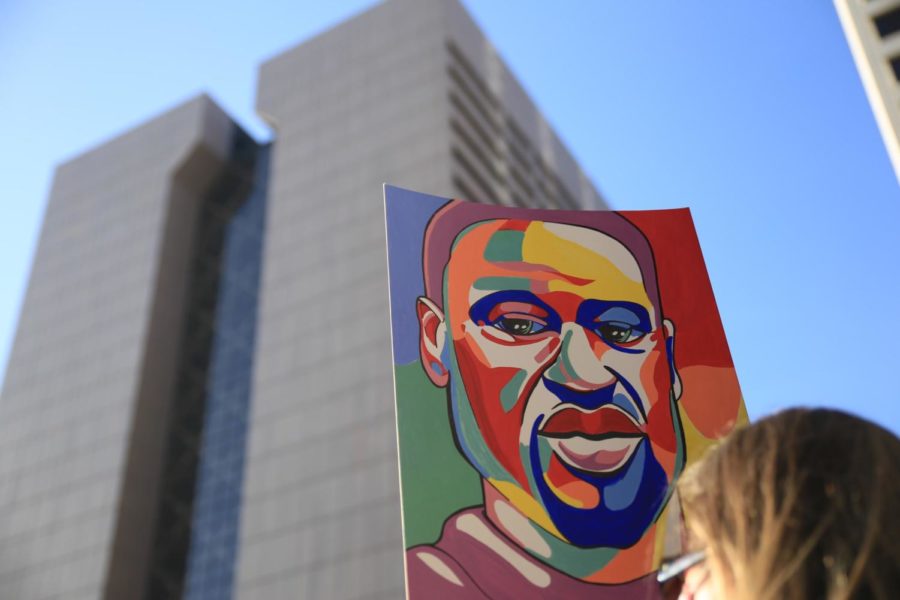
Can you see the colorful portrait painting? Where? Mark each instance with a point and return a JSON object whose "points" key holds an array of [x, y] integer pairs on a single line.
{"points": [[555, 371]]}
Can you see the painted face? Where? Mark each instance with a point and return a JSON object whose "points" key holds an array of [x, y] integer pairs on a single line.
{"points": [[561, 378]]}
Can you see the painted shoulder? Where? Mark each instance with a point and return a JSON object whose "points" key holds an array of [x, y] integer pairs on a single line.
{"points": [[432, 574]]}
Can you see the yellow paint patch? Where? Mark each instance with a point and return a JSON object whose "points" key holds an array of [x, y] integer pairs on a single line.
{"points": [[743, 417], [570, 500], [696, 443], [605, 278], [526, 505]]}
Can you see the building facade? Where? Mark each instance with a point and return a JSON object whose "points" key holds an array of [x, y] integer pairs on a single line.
{"points": [[872, 28], [199, 400]]}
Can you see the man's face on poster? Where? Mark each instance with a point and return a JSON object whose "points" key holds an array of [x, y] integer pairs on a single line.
{"points": [[562, 386]]}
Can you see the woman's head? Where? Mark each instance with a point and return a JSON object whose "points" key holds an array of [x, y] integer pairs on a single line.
{"points": [[802, 504]]}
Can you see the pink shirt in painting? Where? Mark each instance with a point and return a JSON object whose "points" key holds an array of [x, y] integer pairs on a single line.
{"points": [[475, 560]]}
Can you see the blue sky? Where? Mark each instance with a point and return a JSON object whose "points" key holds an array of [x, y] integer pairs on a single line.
{"points": [[749, 112]]}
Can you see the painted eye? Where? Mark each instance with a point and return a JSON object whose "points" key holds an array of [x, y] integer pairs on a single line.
{"points": [[519, 326], [615, 332]]}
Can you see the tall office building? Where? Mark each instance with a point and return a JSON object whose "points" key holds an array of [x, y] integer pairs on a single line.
{"points": [[198, 402], [872, 28]]}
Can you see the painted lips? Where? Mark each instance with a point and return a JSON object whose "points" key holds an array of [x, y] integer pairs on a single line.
{"points": [[600, 441]]}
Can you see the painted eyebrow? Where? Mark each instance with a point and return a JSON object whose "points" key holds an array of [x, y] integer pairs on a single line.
{"points": [[590, 309], [482, 308]]}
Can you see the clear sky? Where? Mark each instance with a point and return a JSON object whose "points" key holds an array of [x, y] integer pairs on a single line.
{"points": [[750, 112]]}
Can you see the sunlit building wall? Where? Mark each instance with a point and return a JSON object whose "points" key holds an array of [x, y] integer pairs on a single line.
{"points": [[873, 33]]}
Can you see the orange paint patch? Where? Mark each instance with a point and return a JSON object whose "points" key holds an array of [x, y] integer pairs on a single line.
{"points": [[580, 494], [711, 400], [630, 563], [665, 457], [573, 492]]}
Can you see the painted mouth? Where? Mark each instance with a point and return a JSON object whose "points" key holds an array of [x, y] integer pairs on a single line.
{"points": [[595, 456], [600, 441]]}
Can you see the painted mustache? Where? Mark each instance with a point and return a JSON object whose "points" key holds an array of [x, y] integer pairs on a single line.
{"points": [[588, 400], [590, 420]]}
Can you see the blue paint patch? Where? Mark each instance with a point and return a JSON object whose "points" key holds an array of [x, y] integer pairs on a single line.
{"points": [[480, 312], [407, 214], [621, 494], [599, 315], [621, 314], [631, 392], [592, 311], [670, 355], [601, 526], [588, 400], [622, 401]]}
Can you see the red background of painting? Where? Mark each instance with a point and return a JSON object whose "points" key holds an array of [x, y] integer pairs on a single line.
{"points": [[684, 286], [712, 396]]}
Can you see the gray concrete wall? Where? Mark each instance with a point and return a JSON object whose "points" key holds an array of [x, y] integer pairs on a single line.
{"points": [[355, 107], [92, 347], [516, 104], [873, 55]]}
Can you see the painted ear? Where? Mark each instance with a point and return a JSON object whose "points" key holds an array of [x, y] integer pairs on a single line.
{"points": [[669, 327], [432, 337]]}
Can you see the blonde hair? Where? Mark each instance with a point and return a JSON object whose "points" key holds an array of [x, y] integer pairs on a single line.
{"points": [[802, 504]]}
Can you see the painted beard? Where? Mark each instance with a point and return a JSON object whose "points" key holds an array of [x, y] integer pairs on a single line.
{"points": [[632, 485], [631, 497]]}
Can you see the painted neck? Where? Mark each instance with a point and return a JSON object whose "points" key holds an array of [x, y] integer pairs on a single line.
{"points": [[595, 565]]}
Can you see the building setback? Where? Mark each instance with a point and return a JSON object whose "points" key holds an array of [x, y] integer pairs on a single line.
{"points": [[872, 28], [199, 401]]}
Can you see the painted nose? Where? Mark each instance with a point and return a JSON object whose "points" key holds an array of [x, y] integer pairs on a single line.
{"points": [[577, 366]]}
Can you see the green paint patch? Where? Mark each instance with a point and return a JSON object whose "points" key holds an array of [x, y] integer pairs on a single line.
{"points": [[525, 457], [564, 353], [509, 395], [436, 480], [505, 246], [545, 452], [474, 441], [503, 283]]}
